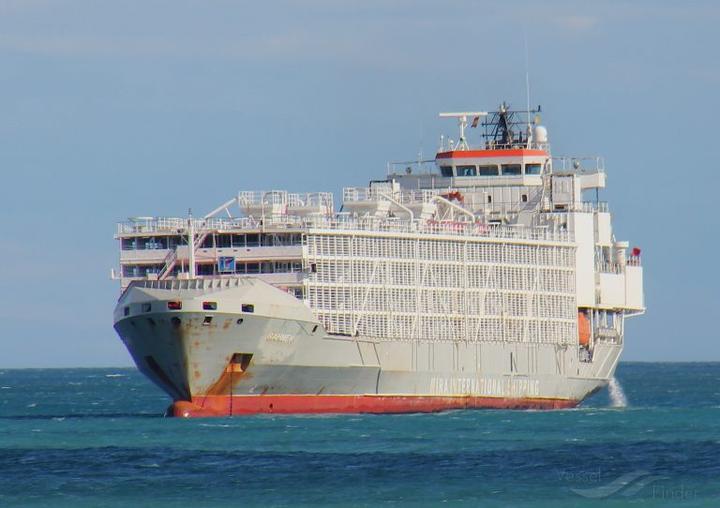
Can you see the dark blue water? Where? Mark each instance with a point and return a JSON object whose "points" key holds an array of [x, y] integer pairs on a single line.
{"points": [[95, 437]]}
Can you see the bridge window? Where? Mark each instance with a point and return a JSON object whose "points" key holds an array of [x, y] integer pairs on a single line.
{"points": [[206, 269], [147, 243], [207, 242], [174, 241], [446, 170], [222, 241], [290, 239], [130, 271], [533, 169], [238, 240], [140, 270], [466, 171], [511, 169], [488, 170], [143, 243], [264, 267]]}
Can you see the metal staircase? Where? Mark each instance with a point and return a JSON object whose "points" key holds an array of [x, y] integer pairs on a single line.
{"points": [[172, 256]]}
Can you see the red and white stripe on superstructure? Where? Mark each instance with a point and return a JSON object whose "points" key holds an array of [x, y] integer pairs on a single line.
{"points": [[479, 156]]}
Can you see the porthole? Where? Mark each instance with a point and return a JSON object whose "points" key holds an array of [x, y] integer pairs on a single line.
{"points": [[240, 321], [207, 320]]}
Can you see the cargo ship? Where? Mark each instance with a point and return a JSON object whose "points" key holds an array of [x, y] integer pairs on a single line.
{"points": [[487, 277]]}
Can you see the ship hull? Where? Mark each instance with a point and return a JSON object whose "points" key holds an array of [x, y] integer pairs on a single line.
{"points": [[238, 405], [278, 359]]}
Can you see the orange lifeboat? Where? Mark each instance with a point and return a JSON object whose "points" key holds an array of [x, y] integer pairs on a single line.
{"points": [[583, 328]]}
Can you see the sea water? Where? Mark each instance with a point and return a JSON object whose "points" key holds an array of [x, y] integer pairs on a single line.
{"points": [[97, 437]]}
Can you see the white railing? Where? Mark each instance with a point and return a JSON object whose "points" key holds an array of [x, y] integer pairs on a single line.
{"points": [[151, 225], [408, 167], [346, 223], [579, 165], [404, 196], [595, 206], [633, 261], [409, 197], [609, 267], [469, 229], [311, 199], [273, 197], [351, 194]]}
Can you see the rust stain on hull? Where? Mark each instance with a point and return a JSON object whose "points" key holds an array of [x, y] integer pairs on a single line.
{"points": [[223, 385], [232, 373]]}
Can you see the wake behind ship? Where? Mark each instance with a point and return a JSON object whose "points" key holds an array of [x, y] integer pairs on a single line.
{"points": [[480, 279]]}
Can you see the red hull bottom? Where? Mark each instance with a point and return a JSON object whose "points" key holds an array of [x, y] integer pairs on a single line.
{"points": [[226, 405]]}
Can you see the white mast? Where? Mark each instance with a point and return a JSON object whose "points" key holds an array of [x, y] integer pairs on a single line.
{"points": [[527, 95], [462, 123], [191, 244]]}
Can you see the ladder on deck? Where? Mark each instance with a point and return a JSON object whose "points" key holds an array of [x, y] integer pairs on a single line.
{"points": [[172, 256]]}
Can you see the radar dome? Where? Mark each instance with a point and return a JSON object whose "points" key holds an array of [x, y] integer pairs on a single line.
{"points": [[540, 135]]}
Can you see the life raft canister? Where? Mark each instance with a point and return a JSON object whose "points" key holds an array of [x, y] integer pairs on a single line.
{"points": [[454, 196]]}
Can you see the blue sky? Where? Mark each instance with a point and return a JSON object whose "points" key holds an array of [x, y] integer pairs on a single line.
{"points": [[113, 109]]}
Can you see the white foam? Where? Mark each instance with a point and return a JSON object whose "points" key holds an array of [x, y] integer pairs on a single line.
{"points": [[617, 395]]}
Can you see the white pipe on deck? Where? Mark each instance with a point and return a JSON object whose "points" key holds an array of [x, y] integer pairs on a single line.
{"points": [[222, 207], [454, 206]]}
